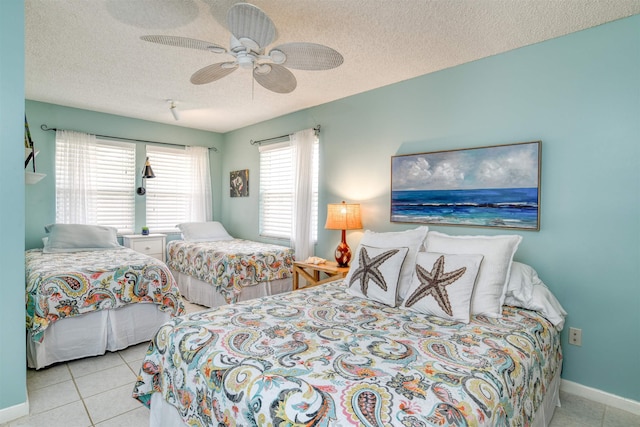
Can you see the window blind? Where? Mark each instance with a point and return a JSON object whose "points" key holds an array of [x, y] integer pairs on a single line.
{"points": [[110, 197], [168, 194], [114, 184], [276, 190]]}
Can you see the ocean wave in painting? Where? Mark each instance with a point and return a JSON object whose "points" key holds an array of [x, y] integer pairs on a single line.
{"points": [[502, 207]]}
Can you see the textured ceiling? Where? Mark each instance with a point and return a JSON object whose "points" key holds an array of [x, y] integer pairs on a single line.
{"points": [[88, 54]]}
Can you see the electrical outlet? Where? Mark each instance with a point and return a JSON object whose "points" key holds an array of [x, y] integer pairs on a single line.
{"points": [[575, 336]]}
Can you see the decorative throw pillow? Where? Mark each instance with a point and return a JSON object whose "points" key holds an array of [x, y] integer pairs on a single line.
{"points": [[375, 272], [443, 285], [498, 252], [209, 231], [411, 239], [79, 237]]}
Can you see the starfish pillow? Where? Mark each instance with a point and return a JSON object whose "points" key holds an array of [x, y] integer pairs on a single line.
{"points": [[375, 272], [443, 285]]}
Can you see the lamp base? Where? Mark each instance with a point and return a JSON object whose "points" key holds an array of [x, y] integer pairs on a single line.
{"points": [[343, 254]]}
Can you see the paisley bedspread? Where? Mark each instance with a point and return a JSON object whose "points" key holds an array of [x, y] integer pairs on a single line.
{"points": [[63, 285], [230, 264], [322, 357]]}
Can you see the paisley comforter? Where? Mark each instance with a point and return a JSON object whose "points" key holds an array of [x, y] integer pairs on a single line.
{"points": [[64, 285], [230, 265], [322, 357]]}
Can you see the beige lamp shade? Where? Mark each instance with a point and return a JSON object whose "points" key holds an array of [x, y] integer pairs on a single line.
{"points": [[343, 216]]}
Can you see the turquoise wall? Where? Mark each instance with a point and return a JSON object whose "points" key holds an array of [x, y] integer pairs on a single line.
{"points": [[41, 196], [579, 95], [13, 377]]}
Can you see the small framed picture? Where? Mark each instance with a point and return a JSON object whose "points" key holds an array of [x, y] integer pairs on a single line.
{"points": [[239, 183]]}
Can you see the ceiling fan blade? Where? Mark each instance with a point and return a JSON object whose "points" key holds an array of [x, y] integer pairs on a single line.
{"points": [[246, 21], [307, 56], [184, 42], [275, 77], [213, 72]]}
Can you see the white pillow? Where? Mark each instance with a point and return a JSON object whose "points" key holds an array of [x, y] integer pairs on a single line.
{"points": [[375, 272], [443, 285], [498, 252], [210, 231], [80, 237], [526, 290], [411, 239], [521, 282]]}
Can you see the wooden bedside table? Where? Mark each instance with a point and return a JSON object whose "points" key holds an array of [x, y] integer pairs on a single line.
{"points": [[152, 244], [311, 273]]}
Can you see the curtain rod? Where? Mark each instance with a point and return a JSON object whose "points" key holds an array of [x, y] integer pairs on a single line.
{"points": [[45, 128], [261, 141]]}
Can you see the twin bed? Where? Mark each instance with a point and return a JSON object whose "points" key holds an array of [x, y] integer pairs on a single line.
{"points": [[86, 294], [224, 272], [426, 330]]}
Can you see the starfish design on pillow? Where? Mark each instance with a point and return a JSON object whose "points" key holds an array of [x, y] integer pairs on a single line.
{"points": [[368, 269], [434, 283]]}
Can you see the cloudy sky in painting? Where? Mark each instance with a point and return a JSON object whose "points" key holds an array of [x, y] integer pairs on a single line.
{"points": [[511, 166]]}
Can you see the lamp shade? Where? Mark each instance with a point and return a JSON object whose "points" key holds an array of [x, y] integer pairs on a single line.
{"points": [[343, 216], [148, 172]]}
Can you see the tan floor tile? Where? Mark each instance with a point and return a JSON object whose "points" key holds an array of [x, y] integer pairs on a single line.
{"points": [[94, 364], [101, 381], [53, 396], [47, 376], [137, 417], [72, 414], [614, 417], [111, 403], [135, 352]]}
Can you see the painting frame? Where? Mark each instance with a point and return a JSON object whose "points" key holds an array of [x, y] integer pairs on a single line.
{"points": [[496, 186], [239, 183]]}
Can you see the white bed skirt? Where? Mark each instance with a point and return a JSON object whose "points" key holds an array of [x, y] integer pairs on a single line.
{"points": [[95, 333], [166, 415], [203, 293]]}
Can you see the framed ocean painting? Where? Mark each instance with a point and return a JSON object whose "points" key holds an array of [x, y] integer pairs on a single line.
{"points": [[496, 186]]}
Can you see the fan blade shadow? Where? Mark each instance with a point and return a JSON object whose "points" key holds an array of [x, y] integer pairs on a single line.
{"points": [[184, 42]]}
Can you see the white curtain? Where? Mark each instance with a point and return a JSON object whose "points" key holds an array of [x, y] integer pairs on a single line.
{"points": [[201, 197], [301, 235], [75, 154]]}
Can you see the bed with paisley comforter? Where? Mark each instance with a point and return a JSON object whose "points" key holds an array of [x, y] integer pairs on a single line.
{"points": [[324, 357], [84, 303], [215, 273]]}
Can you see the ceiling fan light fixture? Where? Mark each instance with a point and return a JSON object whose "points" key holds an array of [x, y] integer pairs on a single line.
{"points": [[245, 61], [263, 69], [277, 56], [216, 49]]}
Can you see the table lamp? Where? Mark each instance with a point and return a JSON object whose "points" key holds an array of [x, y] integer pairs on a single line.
{"points": [[343, 216]]}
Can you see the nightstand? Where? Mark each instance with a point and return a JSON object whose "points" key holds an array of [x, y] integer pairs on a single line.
{"points": [[152, 244], [311, 273]]}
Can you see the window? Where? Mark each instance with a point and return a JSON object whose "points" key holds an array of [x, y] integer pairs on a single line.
{"points": [[276, 190], [181, 190], [95, 181]]}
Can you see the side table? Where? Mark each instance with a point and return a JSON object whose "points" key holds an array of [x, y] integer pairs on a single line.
{"points": [[312, 273]]}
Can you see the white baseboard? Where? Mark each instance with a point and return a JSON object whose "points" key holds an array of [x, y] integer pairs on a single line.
{"points": [[14, 412], [601, 396]]}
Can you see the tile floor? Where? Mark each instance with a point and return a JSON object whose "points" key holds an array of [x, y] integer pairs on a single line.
{"points": [[96, 392]]}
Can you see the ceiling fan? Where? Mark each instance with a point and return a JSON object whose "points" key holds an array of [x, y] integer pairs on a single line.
{"points": [[251, 31]]}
